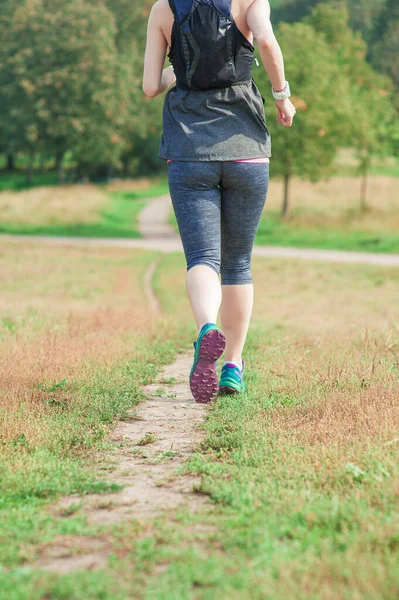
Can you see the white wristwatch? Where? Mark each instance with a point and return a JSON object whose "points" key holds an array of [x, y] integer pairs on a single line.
{"points": [[282, 94]]}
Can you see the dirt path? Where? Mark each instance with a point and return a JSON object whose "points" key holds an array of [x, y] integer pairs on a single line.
{"points": [[159, 437], [153, 220], [157, 234]]}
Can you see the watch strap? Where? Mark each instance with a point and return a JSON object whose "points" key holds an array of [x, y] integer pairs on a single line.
{"points": [[282, 94]]}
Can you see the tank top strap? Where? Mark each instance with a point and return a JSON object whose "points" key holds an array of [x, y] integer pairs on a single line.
{"points": [[182, 8], [224, 6]]}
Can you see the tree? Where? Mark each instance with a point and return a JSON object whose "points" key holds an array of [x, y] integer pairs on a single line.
{"points": [[7, 7], [386, 53], [60, 71], [363, 15], [376, 126], [370, 94], [309, 147], [291, 11]]}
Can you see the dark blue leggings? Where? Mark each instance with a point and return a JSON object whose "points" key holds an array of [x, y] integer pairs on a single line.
{"points": [[218, 206]]}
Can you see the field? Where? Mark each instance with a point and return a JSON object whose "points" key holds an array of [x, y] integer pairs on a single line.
{"points": [[323, 215], [301, 473], [77, 210], [327, 215]]}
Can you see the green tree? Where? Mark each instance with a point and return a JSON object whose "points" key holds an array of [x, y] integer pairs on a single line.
{"points": [[60, 71], [372, 131], [375, 127], [385, 53], [142, 118], [348, 47], [7, 7], [309, 147], [291, 11], [364, 14]]}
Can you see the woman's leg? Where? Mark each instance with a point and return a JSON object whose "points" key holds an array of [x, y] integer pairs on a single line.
{"points": [[205, 294], [196, 197], [235, 315], [244, 190]]}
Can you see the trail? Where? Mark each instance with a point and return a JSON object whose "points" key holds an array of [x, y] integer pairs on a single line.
{"points": [[158, 235], [159, 437]]}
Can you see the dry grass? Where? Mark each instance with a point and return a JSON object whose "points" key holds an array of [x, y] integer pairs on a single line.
{"points": [[302, 470], [339, 349], [327, 351], [320, 299], [133, 185], [53, 205], [336, 202], [59, 309]]}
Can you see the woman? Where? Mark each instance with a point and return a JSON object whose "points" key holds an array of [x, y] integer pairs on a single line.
{"points": [[217, 146]]}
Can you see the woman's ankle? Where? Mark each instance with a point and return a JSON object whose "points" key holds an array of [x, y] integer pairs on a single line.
{"points": [[237, 363]]}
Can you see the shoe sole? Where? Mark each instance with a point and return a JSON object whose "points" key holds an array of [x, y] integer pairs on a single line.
{"points": [[204, 384], [226, 390]]}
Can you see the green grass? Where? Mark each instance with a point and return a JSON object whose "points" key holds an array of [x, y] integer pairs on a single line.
{"points": [[349, 168], [286, 520], [275, 232], [32, 475], [16, 180], [301, 472], [119, 220]]}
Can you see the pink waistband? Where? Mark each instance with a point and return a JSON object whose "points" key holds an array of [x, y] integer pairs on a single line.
{"points": [[247, 160], [253, 160]]}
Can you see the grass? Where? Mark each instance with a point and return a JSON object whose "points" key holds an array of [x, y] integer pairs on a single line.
{"points": [[275, 232], [76, 347], [17, 181], [77, 210], [347, 165], [301, 472], [326, 215]]}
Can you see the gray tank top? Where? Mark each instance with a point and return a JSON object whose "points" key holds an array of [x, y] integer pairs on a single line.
{"points": [[215, 111], [219, 124]]}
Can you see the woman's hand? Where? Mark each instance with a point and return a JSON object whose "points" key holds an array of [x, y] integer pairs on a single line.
{"points": [[285, 112]]}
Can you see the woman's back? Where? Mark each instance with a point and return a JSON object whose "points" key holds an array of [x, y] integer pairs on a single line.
{"points": [[239, 9], [215, 111]]}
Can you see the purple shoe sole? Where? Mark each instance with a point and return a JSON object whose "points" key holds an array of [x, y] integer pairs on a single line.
{"points": [[204, 383]]}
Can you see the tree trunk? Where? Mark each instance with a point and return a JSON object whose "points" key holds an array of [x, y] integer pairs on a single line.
{"points": [[286, 203], [363, 191], [29, 169], [42, 162], [58, 166], [110, 172], [10, 162], [125, 171]]}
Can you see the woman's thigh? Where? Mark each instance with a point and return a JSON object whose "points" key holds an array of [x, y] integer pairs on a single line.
{"points": [[196, 198], [244, 191]]}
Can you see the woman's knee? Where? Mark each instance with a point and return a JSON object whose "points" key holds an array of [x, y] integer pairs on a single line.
{"points": [[238, 273], [211, 260]]}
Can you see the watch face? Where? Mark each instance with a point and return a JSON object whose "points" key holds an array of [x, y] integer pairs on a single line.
{"points": [[283, 94]]}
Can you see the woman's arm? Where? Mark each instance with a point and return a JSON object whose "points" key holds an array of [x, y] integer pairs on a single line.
{"points": [[258, 20], [156, 79]]}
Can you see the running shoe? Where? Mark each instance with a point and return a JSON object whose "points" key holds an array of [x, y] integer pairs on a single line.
{"points": [[207, 349], [232, 379]]}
